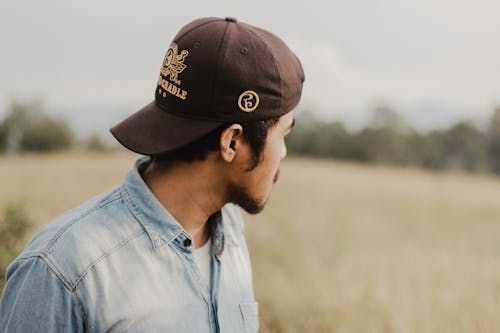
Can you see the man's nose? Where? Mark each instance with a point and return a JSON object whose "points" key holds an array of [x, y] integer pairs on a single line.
{"points": [[283, 151]]}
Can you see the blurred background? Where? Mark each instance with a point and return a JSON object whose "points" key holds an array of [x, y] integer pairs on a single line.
{"points": [[386, 216]]}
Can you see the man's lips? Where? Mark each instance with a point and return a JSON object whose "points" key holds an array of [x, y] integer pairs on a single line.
{"points": [[276, 176]]}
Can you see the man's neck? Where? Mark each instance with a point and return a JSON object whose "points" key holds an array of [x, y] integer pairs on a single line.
{"points": [[190, 192]]}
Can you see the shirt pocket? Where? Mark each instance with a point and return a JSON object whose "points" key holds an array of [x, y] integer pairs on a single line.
{"points": [[250, 315]]}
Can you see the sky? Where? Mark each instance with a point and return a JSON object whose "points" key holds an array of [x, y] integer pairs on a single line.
{"points": [[434, 61]]}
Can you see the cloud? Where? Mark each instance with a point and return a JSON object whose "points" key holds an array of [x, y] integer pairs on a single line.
{"points": [[337, 86]]}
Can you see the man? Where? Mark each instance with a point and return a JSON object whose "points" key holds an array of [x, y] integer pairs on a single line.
{"points": [[165, 251]]}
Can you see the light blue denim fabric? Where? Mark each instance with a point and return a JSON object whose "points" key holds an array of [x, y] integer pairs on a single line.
{"points": [[119, 263]]}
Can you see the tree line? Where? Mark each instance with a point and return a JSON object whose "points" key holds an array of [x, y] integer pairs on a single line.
{"points": [[26, 127], [389, 140]]}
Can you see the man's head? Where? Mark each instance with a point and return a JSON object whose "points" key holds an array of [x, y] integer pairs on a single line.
{"points": [[249, 184], [246, 155], [225, 88]]}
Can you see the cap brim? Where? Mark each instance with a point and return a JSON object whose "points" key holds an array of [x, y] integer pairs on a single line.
{"points": [[152, 131]]}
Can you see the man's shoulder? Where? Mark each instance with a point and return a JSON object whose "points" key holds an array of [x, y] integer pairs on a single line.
{"points": [[76, 240]]}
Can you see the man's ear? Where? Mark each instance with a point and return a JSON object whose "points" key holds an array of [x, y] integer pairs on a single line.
{"points": [[231, 140]]}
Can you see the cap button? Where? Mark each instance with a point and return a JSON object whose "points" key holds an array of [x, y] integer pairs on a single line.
{"points": [[231, 19]]}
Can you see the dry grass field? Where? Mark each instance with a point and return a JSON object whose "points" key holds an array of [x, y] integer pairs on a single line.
{"points": [[340, 247]]}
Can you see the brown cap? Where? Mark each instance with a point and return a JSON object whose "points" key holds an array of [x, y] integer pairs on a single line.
{"points": [[215, 71]]}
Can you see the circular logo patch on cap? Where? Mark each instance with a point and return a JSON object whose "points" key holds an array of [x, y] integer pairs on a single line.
{"points": [[248, 101]]}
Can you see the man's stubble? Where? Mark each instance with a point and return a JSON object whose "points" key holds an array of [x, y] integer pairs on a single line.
{"points": [[239, 195]]}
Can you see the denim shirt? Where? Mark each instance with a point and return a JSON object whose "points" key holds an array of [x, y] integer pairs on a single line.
{"points": [[121, 263]]}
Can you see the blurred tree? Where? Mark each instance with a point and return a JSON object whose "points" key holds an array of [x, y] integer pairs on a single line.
{"points": [[27, 128], [3, 138], [465, 148], [94, 143], [298, 142], [427, 149], [313, 137], [385, 117], [381, 145], [384, 141], [493, 141]]}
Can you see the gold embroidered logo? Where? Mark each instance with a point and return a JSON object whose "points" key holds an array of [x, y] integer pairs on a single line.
{"points": [[248, 101], [172, 66]]}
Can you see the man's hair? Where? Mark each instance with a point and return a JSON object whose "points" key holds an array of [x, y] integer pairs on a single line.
{"points": [[254, 133]]}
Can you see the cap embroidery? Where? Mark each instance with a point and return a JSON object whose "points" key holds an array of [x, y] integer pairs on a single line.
{"points": [[172, 66], [248, 101]]}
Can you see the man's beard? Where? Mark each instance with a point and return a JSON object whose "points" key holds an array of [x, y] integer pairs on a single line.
{"points": [[239, 196]]}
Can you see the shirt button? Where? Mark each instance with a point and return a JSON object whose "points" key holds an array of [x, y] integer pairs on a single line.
{"points": [[187, 242]]}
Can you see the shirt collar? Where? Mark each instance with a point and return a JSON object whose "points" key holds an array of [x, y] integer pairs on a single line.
{"points": [[161, 227]]}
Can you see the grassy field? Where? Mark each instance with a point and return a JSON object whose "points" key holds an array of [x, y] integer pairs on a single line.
{"points": [[340, 247]]}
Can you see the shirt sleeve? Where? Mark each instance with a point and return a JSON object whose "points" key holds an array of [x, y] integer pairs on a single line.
{"points": [[35, 300]]}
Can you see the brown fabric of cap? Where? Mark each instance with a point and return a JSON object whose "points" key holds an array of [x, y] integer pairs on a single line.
{"points": [[215, 71]]}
